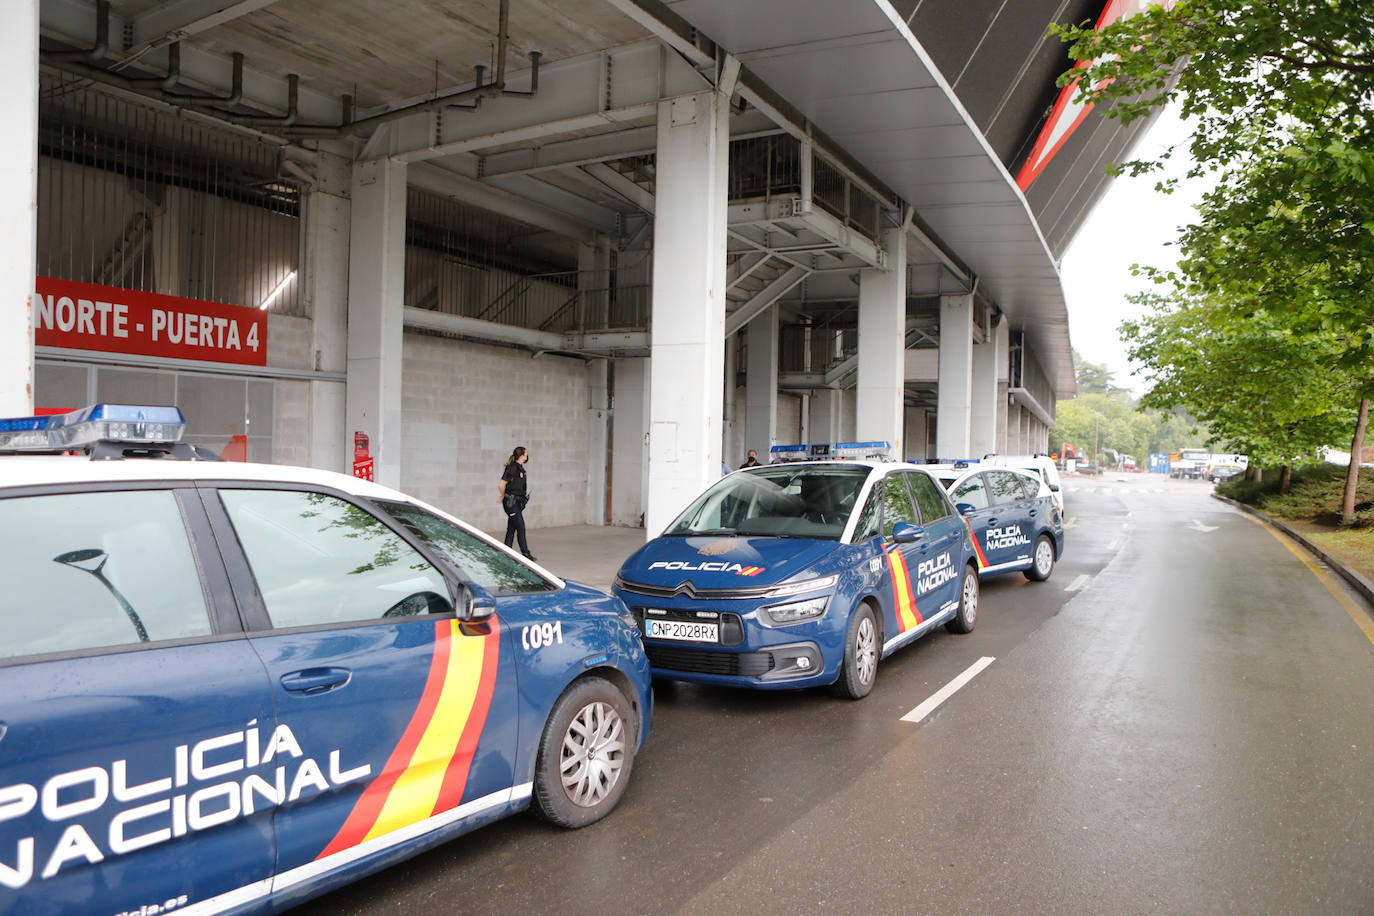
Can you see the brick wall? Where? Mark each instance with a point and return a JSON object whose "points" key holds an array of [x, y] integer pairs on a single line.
{"points": [[465, 405]]}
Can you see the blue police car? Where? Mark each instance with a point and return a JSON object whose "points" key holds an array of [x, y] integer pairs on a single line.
{"points": [[1012, 515], [228, 687], [802, 574]]}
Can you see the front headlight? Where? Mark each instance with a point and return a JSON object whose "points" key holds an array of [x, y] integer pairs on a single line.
{"points": [[780, 615], [801, 588]]}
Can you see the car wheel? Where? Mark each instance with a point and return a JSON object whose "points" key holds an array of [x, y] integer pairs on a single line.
{"points": [[585, 754], [1042, 561], [860, 667], [967, 615]]}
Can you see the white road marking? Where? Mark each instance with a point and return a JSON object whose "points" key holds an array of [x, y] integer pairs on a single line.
{"points": [[1198, 526], [1070, 523], [1079, 583], [947, 691], [1113, 544]]}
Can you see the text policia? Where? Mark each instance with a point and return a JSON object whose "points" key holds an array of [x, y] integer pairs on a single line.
{"points": [[163, 801]]}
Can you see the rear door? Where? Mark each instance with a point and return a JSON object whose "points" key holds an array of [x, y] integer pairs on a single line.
{"points": [[131, 709], [1012, 529], [393, 719]]}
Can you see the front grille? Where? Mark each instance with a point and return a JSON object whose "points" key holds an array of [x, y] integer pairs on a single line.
{"points": [[698, 661]]}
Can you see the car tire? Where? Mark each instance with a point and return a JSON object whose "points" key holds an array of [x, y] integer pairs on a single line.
{"points": [[859, 670], [585, 754], [967, 615], [1042, 560]]}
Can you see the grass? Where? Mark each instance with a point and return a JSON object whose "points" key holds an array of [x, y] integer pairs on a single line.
{"points": [[1352, 546], [1314, 496]]}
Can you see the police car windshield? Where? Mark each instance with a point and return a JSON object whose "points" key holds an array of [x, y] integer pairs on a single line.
{"points": [[801, 501]]}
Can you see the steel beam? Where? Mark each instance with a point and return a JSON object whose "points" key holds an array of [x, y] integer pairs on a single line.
{"points": [[450, 184], [179, 19], [761, 300], [620, 185]]}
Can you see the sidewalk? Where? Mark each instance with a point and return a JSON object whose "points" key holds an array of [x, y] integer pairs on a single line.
{"points": [[590, 554], [1346, 552]]}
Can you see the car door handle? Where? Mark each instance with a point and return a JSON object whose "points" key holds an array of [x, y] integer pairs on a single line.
{"points": [[993, 520], [1032, 513], [315, 680]]}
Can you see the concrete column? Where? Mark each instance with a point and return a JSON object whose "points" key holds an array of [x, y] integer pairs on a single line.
{"points": [[825, 415], [323, 278], [594, 283], [19, 204], [598, 441], [629, 453], [730, 432], [882, 344], [955, 400], [376, 289], [761, 384], [983, 414], [688, 350]]}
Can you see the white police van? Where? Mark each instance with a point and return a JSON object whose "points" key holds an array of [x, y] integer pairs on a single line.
{"points": [[228, 687]]}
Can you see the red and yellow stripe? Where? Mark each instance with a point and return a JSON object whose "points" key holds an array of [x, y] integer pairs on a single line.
{"points": [[977, 548], [903, 595], [428, 769], [750, 571]]}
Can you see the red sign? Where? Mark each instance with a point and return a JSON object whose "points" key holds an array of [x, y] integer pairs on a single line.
{"points": [[87, 316], [362, 461]]}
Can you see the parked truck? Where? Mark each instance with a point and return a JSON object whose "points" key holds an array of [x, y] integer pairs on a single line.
{"points": [[1189, 463]]}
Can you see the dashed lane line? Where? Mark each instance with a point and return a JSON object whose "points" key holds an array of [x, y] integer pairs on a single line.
{"points": [[947, 691], [1078, 584]]}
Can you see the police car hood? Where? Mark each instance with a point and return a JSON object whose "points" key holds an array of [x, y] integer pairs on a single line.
{"points": [[723, 562]]}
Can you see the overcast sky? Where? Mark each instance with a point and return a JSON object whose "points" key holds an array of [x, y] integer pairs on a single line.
{"points": [[1131, 224]]}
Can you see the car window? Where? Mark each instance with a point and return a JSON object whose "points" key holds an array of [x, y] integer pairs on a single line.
{"points": [[971, 492], [494, 570], [810, 501], [319, 559], [896, 503], [932, 504], [1006, 487], [867, 525], [1029, 485], [88, 570]]}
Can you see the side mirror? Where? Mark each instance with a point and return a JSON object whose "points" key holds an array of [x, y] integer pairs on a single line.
{"points": [[966, 508], [475, 605], [906, 533], [1054, 488]]}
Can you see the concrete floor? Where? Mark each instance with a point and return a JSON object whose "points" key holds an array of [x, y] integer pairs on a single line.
{"points": [[589, 554]]}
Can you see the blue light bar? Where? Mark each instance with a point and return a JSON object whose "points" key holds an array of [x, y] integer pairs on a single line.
{"points": [[878, 450], [89, 425]]}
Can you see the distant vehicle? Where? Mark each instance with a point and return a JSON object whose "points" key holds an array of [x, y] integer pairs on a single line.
{"points": [[1189, 463], [1220, 473], [1090, 468]]}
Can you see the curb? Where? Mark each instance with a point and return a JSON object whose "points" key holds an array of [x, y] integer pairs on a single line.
{"points": [[1357, 581]]}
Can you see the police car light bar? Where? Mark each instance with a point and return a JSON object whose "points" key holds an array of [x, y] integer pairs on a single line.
{"points": [[820, 451], [89, 425]]}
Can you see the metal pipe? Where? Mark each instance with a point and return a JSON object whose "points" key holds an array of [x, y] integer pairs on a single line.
{"points": [[503, 26], [102, 37]]}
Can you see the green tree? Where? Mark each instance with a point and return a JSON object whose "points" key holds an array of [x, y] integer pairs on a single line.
{"points": [[1282, 96], [1262, 389], [1092, 378]]}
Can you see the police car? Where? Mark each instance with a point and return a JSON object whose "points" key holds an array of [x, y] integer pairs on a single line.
{"points": [[1012, 515], [803, 573], [228, 687]]}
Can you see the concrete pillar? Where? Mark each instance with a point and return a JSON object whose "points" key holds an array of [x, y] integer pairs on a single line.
{"points": [[825, 415], [688, 350], [376, 288], [983, 412], [956, 378], [882, 345], [594, 283], [629, 452], [761, 384], [323, 279], [730, 432], [598, 441], [19, 204]]}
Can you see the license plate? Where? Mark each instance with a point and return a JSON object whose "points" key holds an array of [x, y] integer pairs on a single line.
{"points": [[682, 630]]}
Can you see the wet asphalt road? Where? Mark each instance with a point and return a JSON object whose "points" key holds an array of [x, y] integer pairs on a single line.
{"points": [[1180, 720]]}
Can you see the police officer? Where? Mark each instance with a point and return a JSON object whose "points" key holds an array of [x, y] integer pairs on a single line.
{"points": [[515, 496]]}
